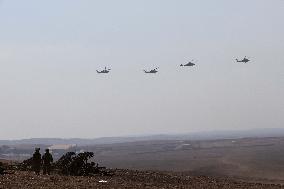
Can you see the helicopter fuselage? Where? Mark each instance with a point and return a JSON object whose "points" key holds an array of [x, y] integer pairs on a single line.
{"points": [[188, 64], [245, 60], [103, 71], [151, 71]]}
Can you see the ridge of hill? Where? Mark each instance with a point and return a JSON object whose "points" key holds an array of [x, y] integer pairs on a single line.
{"points": [[209, 135]]}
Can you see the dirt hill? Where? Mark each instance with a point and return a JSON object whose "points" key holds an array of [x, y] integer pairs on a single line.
{"points": [[124, 179]]}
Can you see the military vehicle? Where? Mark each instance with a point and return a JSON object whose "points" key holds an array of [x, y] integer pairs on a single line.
{"points": [[244, 60], [190, 63], [152, 71], [104, 71]]}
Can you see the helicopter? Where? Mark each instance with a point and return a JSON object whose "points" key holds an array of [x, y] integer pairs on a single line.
{"points": [[244, 60], [152, 71], [190, 63], [104, 71]]}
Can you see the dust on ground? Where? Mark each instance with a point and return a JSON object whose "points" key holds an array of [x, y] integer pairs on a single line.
{"points": [[125, 179]]}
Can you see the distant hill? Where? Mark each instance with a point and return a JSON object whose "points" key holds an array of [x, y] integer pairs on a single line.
{"points": [[210, 135]]}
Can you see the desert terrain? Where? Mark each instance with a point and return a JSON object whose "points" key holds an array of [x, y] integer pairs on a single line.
{"points": [[125, 179], [220, 163], [259, 159]]}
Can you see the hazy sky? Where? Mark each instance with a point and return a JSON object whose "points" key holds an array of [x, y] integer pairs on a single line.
{"points": [[50, 50]]}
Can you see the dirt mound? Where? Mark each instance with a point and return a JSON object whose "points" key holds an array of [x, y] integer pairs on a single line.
{"points": [[124, 179]]}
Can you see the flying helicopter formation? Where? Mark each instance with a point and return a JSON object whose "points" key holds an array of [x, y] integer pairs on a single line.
{"points": [[155, 70]]}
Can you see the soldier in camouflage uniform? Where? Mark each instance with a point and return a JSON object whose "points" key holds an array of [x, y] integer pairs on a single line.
{"points": [[46, 161], [1, 168], [36, 161]]}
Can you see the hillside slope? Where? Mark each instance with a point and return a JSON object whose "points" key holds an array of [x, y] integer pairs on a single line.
{"points": [[125, 179]]}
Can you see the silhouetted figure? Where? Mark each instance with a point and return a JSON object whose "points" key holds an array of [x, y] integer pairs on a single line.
{"points": [[46, 161], [1, 168], [36, 161]]}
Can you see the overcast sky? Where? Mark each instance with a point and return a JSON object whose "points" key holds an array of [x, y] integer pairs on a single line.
{"points": [[50, 50]]}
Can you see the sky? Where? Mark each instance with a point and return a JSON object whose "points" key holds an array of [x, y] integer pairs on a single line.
{"points": [[50, 51]]}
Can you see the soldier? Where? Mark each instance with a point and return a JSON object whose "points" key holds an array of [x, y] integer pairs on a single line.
{"points": [[1, 168], [36, 161], [47, 160]]}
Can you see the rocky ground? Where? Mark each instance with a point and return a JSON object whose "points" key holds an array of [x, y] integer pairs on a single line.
{"points": [[124, 179]]}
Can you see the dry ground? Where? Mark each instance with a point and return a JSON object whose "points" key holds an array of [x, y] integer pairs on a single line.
{"points": [[125, 179], [250, 158]]}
